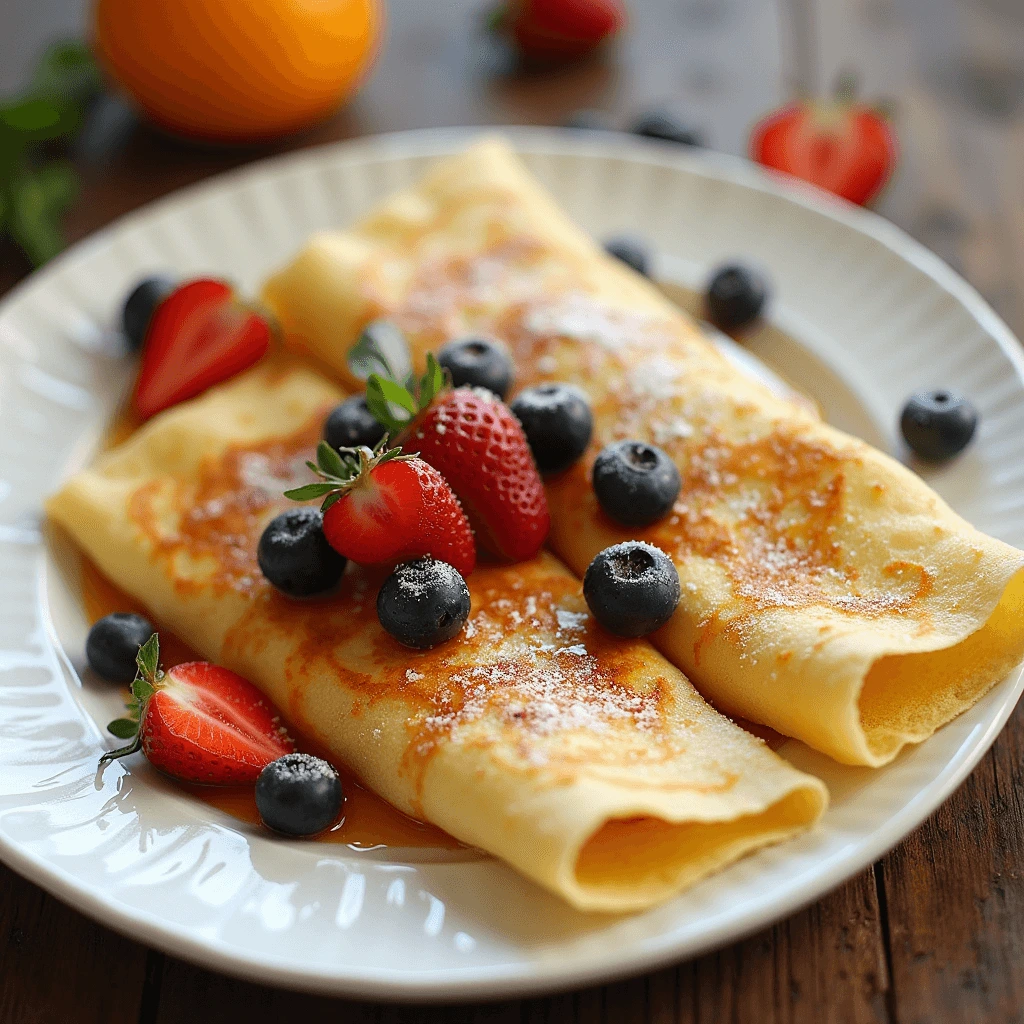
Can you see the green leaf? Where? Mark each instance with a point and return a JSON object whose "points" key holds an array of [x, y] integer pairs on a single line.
{"points": [[34, 221], [123, 728], [381, 409], [148, 658], [330, 500], [67, 69], [307, 492], [394, 393], [432, 382], [142, 691], [381, 348], [37, 116], [329, 461]]}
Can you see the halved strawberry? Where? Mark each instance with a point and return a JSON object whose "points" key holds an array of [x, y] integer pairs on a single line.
{"points": [[478, 445], [199, 722], [383, 506], [843, 146], [199, 336]]}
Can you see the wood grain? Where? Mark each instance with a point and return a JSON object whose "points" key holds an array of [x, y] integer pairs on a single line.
{"points": [[56, 965], [935, 932]]}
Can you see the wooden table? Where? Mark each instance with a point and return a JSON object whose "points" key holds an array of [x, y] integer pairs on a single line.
{"points": [[933, 932]]}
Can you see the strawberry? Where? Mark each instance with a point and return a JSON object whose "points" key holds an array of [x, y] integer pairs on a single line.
{"points": [[556, 30], [199, 335], [199, 722], [472, 438], [838, 144], [383, 506]]}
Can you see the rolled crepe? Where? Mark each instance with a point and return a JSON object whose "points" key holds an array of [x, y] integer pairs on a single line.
{"points": [[587, 762], [828, 592]]}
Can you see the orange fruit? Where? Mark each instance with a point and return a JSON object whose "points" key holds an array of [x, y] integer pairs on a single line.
{"points": [[237, 70]]}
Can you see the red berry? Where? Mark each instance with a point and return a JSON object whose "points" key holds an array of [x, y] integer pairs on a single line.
{"points": [[199, 336], [399, 510], [561, 29], [200, 722], [479, 446], [839, 145]]}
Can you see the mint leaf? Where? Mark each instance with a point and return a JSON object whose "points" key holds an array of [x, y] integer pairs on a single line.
{"points": [[123, 728], [432, 382], [381, 348], [394, 393]]}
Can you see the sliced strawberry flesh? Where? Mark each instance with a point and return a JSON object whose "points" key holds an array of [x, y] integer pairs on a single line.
{"points": [[207, 724], [199, 336]]}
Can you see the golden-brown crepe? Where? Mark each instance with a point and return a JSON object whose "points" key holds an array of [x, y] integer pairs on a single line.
{"points": [[827, 591], [587, 762]]}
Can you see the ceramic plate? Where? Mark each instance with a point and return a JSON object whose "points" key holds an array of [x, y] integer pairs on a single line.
{"points": [[862, 316]]}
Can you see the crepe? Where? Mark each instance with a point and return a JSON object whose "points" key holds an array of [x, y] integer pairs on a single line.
{"points": [[827, 591], [587, 762]]}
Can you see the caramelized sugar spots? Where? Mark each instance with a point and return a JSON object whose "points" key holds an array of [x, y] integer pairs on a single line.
{"points": [[767, 510], [222, 516]]}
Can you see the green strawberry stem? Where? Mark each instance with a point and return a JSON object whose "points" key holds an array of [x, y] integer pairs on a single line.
{"points": [[341, 469], [146, 683]]}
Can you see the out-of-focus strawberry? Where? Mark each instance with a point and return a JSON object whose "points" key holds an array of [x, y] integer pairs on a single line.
{"points": [[839, 144], [558, 30]]}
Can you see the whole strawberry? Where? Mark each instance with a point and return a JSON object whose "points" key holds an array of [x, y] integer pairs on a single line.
{"points": [[558, 30], [383, 506], [199, 722], [472, 438]]}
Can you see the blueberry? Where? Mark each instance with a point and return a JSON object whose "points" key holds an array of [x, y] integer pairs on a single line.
{"points": [[477, 363], [589, 120], [631, 588], [735, 296], [140, 306], [423, 603], [351, 424], [635, 483], [113, 643], [659, 124], [298, 795], [294, 554], [938, 424], [631, 251], [557, 421]]}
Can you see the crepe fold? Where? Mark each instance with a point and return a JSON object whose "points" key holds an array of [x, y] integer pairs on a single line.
{"points": [[827, 591], [588, 763]]}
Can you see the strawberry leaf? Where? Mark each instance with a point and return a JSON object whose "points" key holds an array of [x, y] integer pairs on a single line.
{"points": [[148, 658], [123, 728], [142, 691], [330, 462], [330, 500], [307, 492]]}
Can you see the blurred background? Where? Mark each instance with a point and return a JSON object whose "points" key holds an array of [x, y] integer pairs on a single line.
{"points": [[946, 78]]}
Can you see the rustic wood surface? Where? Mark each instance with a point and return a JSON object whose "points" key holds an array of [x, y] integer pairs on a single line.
{"points": [[935, 931]]}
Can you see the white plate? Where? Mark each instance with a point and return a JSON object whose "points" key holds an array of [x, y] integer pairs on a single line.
{"points": [[875, 316]]}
